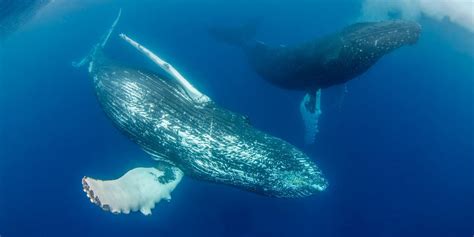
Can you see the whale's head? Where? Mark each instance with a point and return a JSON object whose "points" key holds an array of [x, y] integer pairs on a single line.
{"points": [[295, 175], [378, 38], [394, 34]]}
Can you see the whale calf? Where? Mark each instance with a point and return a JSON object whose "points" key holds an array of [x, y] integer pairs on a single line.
{"points": [[323, 62], [188, 135]]}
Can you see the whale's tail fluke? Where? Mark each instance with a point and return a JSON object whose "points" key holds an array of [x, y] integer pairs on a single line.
{"points": [[137, 190], [238, 36], [91, 55], [310, 109]]}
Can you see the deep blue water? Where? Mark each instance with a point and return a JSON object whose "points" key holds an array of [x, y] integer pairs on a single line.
{"points": [[398, 152]]}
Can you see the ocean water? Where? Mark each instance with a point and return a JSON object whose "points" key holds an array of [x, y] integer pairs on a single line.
{"points": [[398, 150]]}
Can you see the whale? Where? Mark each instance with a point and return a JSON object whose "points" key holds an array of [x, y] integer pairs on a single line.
{"points": [[15, 13], [186, 134], [322, 62]]}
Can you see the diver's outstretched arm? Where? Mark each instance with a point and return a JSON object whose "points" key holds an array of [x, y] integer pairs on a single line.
{"points": [[192, 92], [310, 109]]}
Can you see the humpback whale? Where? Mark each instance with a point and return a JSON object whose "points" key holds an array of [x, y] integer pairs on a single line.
{"points": [[187, 134], [323, 62], [14, 13]]}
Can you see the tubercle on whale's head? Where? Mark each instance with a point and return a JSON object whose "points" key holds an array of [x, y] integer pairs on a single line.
{"points": [[407, 32], [401, 33], [299, 177], [383, 37]]}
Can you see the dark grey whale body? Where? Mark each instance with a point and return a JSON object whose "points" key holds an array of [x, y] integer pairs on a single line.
{"points": [[326, 61], [323, 62]]}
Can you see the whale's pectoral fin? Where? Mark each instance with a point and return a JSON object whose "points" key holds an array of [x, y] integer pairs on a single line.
{"points": [[89, 58], [138, 190], [310, 109], [190, 90]]}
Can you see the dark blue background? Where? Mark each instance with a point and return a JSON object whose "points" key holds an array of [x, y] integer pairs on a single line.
{"points": [[398, 152]]}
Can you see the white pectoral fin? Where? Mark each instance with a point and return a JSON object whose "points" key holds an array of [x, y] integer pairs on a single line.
{"points": [[89, 58], [310, 109], [138, 190], [190, 90], [111, 29]]}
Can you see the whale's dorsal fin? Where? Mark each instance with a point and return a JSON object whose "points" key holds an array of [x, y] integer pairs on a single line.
{"points": [[190, 90]]}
